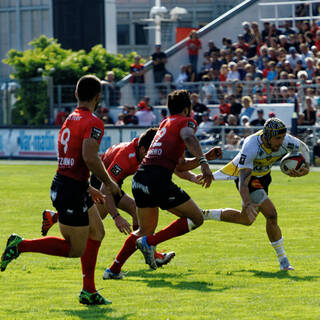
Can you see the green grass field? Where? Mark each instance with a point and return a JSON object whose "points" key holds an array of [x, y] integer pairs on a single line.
{"points": [[221, 271]]}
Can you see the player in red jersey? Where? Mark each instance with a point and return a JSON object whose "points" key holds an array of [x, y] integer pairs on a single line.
{"points": [[152, 186], [79, 219], [121, 161]]}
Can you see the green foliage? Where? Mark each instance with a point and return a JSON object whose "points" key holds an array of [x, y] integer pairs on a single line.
{"points": [[221, 270], [47, 58]]}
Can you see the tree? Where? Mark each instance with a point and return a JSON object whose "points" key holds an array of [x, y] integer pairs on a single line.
{"points": [[46, 58]]}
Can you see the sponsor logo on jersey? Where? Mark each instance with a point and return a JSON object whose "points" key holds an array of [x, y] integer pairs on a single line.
{"points": [[116, 170], [132, 155], [96, 133], [256, 184], [191, 124], [242, 159]]}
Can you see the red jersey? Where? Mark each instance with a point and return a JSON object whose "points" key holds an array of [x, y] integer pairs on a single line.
{"points": [[80, 124], [121, 160], [167, 146]]}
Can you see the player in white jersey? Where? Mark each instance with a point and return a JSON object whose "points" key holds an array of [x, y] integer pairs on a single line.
{"points": [[251, 171]]}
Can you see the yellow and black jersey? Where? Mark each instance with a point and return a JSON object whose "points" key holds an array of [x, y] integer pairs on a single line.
{"points": [[256, 156]]}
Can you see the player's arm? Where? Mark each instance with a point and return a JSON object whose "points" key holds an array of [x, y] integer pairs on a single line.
{"points": [[192, 163], [247, 205], [193, 145], [110, 207], [188, 175], [90, 148]]}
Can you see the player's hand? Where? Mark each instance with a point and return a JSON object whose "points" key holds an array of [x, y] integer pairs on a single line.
{"points": [[196, 178], [214, 153], [122, 224], [300, 172], [97, 196], [207, 176]]}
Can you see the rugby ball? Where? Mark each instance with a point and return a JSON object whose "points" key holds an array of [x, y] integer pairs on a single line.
{"points": [[292, 161]]}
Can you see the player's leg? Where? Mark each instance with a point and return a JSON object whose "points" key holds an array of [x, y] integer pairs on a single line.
{"points": [[49, 218], [89, 294], [228, 215], [274, 233], [148, 220]]}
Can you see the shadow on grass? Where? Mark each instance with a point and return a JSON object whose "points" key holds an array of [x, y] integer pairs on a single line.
{"points": [[159, 280], [94, 313], [278, 274]]}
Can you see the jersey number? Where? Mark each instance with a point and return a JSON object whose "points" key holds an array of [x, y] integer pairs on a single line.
{"points": [[65, 137], [156, 142]]}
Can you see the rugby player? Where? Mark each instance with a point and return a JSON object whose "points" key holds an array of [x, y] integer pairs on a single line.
{"points": [[152, 185], [79, 220], [251, 171]]}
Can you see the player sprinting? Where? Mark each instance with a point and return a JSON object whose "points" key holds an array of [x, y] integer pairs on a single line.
{"points": [[121, 161], [251, 171], [152, 184], [79, 219]]}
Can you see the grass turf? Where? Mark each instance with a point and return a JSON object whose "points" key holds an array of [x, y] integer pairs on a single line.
{"points": [[221, 271]]}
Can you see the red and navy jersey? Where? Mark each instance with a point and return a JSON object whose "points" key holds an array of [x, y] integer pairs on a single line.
{"points": [[167, 146], [121, 160], [79, 125]]}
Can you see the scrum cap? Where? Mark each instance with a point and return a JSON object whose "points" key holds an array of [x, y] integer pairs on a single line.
{"points": [[273, 127]]}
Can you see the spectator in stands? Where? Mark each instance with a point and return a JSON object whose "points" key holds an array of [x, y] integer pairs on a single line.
{"points": [[272, 54], [212, 48], [209, 91], [205, 126], [265, 32], [159, 59], [245, 123], [215, 62], [299, 67], [238, 90], [239, 55], [145, 114], [284, 95], [235, 106], [232, 141], [293, 42], [240, 67], [233, 73], [247, 109], [274, 32], [260, 120], [247, 32], [137, 79], [259, 97], [305, 52], [206, 65], [288, 28], [190, 73], [263, 59], [271, 114], [223, 73], [193, 45], [105, 116], [120, 121], [271, 72], [241, 44], [182, 77], [284, 42], [310, 68], [293, 57], [310, 114], [163, 114], [198, 107], [62, 116], [112, 90], [248, 86], [224, 106], [130, 117], [165, 88]]}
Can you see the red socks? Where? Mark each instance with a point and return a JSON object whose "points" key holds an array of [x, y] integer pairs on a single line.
{"points": [[175, 229], [48, 245], [129, 247], [88, 264]]}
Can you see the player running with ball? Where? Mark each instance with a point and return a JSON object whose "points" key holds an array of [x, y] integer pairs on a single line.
{"points": [[251, 171]]}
